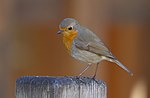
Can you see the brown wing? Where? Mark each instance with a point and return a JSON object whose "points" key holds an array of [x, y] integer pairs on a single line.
{"points": [[94, 47], [89, 41]]}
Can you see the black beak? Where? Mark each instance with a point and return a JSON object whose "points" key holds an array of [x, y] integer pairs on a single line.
{"points": [[60, 31]]}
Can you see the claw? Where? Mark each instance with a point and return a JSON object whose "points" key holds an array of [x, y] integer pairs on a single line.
{"points": [[94, 77]]}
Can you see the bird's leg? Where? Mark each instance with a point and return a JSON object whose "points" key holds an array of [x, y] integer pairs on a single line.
{"points": [[95, 70], [89, 65]]}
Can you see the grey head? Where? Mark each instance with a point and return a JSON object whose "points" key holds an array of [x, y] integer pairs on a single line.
{"points": [[67, 24]]}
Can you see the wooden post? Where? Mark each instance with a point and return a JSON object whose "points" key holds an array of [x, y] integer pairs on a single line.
{"points": [[59, 87]]}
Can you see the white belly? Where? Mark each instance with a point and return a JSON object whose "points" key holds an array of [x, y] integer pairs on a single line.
{"points": [[85, 56]]}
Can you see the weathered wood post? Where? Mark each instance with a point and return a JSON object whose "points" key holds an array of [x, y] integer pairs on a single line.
{"points": [[59, 87]]}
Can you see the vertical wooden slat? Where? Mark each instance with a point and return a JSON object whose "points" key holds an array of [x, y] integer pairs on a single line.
{"points": [[60, 87]]}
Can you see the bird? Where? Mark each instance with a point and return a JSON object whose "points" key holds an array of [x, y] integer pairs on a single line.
{"points": [[84, 45]]}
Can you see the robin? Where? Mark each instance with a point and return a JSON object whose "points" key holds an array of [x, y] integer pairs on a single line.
{"points": [[86, 46]]}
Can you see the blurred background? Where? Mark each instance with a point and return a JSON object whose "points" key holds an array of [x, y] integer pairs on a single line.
{"points": [[30, 46]]}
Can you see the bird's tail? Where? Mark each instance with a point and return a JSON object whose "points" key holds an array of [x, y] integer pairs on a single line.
{"points": [[123, 66]]}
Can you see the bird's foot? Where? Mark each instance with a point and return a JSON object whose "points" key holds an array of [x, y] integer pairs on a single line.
{"points": [[94, 77], [80, 78]]}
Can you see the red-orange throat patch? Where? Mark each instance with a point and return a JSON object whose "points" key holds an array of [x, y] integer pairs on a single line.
{"points": [[68, 38]]}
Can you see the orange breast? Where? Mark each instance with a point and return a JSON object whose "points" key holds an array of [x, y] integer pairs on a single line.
{"points": [[68, 38]]}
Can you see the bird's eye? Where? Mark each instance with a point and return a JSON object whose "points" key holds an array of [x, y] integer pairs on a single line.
{"points": [[70, 28]]}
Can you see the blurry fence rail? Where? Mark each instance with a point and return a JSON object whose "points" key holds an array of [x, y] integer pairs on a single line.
{"points": [[59, 87]]}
